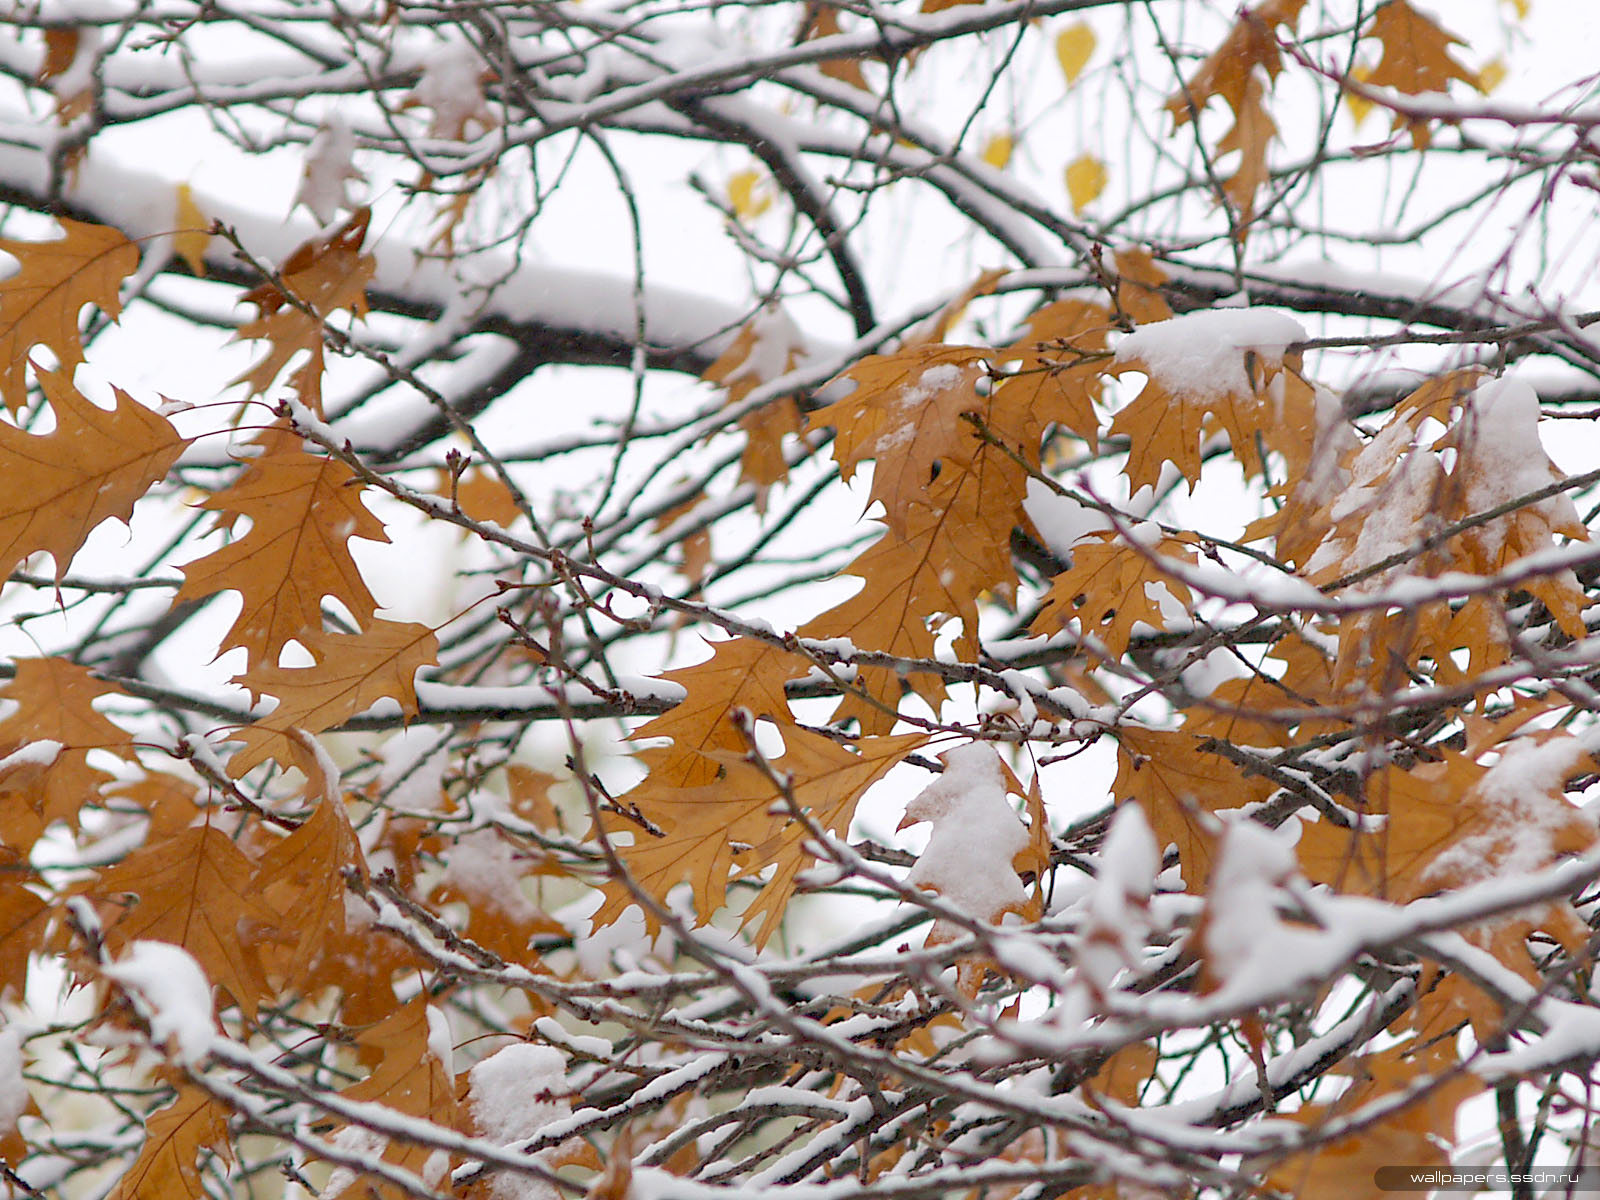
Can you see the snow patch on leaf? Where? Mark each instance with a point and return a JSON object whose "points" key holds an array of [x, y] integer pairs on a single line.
{"points": [[1198, 355], [513, 1094], [976, 834], [172, 993], [1527, 817]]}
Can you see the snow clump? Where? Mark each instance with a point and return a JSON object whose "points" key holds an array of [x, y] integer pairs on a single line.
{"points": [[1200, 355], [172, 993], [976, 834], [513, 1094]]}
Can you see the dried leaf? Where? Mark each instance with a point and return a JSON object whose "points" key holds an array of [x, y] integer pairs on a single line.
{"points": [[195, 889], [1178, 784], [738, 825], [39, 305], [1108, 589], [94, 466], [530, 797], [302, 878], [1252, 132], [353, 672], [322, 277], [1228, 71], [1170, 423], [741, 676], [936, 329], [24, 923], [1416, 59], [1416, 52], [175, 1136], [1418, 1136], [765, 348], [695, 546], [1059, 357], [905, 413], [955, 551], [1139, 282], [409, 1078], [55, 702], [1455, 822], [303, 511], [483, 495], [821, 21], [60, 49]]}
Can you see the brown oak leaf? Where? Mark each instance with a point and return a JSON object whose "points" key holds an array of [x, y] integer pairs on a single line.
{"points": [[1108, 587], [738, 824], [55, 703], [409, 1077], [321, 277], [39, 305], [302, 878], [194, 890], [303, 510], [353, 672], [1178, 783], [766, 347], [94, 466], [169, 1164]]}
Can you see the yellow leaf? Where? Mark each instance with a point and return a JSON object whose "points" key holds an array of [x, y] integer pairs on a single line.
{"points": [[1522, 8], [191, 231], [747, 195], [1492, 75], [1074, 47], [1358, 104], [1086, 179], [997, 151]]}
